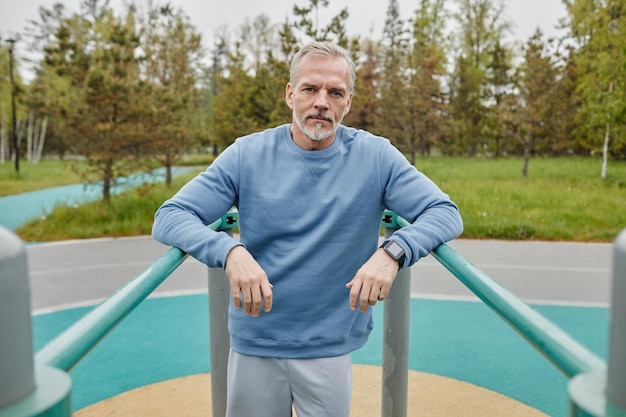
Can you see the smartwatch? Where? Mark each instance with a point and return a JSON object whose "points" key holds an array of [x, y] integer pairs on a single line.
{"points": [[395, 251]]}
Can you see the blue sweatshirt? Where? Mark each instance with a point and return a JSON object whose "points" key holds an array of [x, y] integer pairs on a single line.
{"points": [[311, 219]]}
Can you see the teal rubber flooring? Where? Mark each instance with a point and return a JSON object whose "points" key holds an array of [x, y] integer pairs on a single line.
{"points": [[168, 337]]}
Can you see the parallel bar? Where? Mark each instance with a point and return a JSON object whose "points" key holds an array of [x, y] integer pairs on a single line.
{"points": [[616, 379], [66, 350], [395, 379], [569, 356]]}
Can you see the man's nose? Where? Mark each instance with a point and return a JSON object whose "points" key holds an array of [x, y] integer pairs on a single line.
{"points": [[321, 100]]}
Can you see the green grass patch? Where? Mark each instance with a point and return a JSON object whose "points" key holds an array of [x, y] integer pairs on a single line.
{"points": [[32, 177], [562, 199], [129, 214]]}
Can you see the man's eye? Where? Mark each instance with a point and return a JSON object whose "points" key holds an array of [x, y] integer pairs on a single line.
{"points": [[336, 93]]}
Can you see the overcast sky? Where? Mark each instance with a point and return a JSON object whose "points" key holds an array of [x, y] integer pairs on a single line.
{"points": [[365, 16]]}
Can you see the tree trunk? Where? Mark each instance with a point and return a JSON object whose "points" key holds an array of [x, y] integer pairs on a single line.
{"points": [[3, 139], [168, 170], [42, 138], [605, 151], [29, 135], [106, 183], [527, 146]]}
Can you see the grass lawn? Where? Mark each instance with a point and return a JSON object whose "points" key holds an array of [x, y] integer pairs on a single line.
{"points": [[32, 177], [561, 199]]}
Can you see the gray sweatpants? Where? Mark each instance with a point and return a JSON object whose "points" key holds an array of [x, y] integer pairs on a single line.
{"points": [[268, 387]]}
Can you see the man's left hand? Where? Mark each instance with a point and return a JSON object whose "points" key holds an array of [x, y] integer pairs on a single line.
{"points": [[373, 280]]}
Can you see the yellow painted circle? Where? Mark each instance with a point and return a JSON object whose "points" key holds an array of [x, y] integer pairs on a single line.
{"points": [[429, 395]]}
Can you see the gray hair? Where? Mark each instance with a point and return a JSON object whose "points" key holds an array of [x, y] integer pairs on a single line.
{"points": [[323, 49]]}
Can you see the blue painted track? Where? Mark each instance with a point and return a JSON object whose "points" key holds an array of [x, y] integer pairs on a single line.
{"points": [[15, 210]]}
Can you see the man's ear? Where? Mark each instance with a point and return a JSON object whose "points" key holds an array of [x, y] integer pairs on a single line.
{"points": [[289, 95]]}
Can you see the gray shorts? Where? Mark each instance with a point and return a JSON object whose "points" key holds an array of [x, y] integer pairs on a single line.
{"points": [[268, 387]]}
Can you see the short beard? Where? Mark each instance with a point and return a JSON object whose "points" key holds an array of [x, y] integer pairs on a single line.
{"points": [[316, 134]]}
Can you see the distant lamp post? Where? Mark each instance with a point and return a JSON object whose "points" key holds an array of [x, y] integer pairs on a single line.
{"points": [[10, 42]]}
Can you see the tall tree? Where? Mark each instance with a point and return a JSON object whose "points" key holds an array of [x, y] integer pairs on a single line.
{"points": [[95, 52], [231, 107], [363, 112], [481, 26], [260, 40], [392, 110], [49, 92], [308, 23], [538, 91], [598, 28], [501, 83], [172, 53], [425, 97], [567, 106]]}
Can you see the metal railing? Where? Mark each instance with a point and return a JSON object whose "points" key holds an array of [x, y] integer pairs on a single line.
{"points": [[592, 390]]}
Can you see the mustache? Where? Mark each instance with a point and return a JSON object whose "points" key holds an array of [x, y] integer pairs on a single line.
{"points": [[318, 116]]}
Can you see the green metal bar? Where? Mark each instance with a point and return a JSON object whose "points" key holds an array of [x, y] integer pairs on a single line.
{"points": [[569, 356], [67, 349]]}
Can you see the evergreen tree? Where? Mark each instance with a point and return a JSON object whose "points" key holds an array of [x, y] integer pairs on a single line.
{"points": [[538, 87], [393, 113], [363, 112], [95, 53], [501, 84], [481, 26], [425, 97], [172, 52]]}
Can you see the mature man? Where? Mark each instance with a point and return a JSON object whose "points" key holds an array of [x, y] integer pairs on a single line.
{"points": [[308, 265]]}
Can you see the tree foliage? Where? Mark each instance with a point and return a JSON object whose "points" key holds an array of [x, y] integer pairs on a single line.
{"points": [[598, 29], [128, 89], [172, 51], [94, 53]]}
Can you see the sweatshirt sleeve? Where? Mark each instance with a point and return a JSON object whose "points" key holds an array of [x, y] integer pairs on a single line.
{"points": [[434, 218], [182, 220]]}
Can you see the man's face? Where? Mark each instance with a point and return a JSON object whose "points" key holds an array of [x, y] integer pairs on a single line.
{"points": [[319, 99]]}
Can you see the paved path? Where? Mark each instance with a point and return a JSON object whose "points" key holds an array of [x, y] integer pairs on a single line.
{"points": [[74, 272], [17, 209]]}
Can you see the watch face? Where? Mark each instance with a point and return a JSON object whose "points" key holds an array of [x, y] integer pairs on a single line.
{"points": [[394, 250]]}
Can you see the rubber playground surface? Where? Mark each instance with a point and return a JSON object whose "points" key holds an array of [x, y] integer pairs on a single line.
{"points": [[167, 338]]}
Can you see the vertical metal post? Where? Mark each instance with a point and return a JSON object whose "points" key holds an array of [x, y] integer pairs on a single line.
{"points": [[17, 375], [396, 345], [219, 338], [616, 372], [601, 393]]}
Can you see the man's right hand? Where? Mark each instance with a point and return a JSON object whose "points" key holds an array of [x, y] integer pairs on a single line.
{"points": [[248, 281]]}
